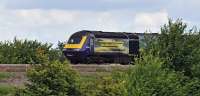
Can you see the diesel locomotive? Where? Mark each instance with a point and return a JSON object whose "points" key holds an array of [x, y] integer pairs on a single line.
{"points": [[101, 47]]}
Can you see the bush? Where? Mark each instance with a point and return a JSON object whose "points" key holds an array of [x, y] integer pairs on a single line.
{"points": [[179, 50], [23, 52], [179, 46], [192, 87], [55, 79], [29, 52], [148, 78], [56, 53], [102, 86]]}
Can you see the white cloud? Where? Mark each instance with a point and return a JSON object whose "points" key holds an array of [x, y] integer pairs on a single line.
{"points": [[39, 24], [150, 21], [54, 25]]}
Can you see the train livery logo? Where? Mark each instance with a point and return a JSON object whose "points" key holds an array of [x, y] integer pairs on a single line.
{"points": [[111, 45]]}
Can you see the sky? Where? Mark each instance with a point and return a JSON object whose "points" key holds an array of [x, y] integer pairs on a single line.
{"points": [[55, 20]]}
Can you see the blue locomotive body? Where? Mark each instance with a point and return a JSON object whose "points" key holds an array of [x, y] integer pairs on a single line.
{"points": [[101, 47]]}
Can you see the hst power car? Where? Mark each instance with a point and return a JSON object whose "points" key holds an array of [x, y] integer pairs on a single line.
{"points": [[101, 47]]}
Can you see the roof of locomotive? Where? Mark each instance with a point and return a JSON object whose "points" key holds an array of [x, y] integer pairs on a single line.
{"points": [[101, 34]]}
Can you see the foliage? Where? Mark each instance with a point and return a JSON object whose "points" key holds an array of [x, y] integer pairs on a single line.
{"points": [[87, 85], [53, 79], [56, 53], [179, 47], [148, 78], [192, 87], [179, 50], [7, 90], [102, 86], [28, 52]]}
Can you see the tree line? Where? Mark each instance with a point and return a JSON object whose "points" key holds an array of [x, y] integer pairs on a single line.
{"points": [[29, 52]]}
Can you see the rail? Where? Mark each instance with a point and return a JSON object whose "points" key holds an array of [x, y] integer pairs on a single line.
{"points": [[79, 67]]}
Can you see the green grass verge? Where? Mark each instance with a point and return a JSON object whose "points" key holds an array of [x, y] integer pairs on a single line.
{"points": [[4, 75], [7, 90]]}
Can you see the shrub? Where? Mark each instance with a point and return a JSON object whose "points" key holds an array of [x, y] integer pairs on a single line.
{"points": [[102, 86], [55, 79], [109, 86], [148, 78], [179, 46], [23, 51], [29, 52], [56, 53], [87, 85], [178, 50], [192, 87]]}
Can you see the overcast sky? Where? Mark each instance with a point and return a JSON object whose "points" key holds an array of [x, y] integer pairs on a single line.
{"points": [[55, 20]]}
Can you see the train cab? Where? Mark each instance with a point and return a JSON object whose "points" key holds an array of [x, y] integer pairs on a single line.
{"points": [[77, 47]]}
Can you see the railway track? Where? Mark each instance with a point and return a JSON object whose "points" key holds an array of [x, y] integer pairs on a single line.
{"points": [[18, 77], [82, 68]]}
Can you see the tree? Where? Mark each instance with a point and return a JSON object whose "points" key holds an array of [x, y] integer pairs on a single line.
{"points": [[53, 79], [148, 78], [29, 52], [178, 46]]}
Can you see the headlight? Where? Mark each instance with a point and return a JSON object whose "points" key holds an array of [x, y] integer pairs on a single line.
{"points": [[76, 49], [64, 49]]}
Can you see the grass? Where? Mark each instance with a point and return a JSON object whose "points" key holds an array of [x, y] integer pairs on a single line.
{"points": [[5, 75], [7, 90]]}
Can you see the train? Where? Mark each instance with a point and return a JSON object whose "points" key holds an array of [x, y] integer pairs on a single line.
{"points": [[98, 47]]}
